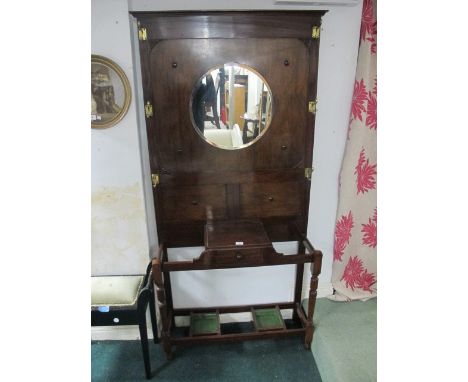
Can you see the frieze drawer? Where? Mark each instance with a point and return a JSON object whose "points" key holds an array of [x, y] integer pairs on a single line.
{"points": [[234, 257]]}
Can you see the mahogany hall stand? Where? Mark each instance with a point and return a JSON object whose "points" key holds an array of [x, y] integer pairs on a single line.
{"points": [[235, 202]]}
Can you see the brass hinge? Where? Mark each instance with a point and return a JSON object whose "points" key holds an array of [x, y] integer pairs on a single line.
{"points": [[313, 106], [308, 172], [148, 110], [155, 180], [316, 31], [142, 35]]}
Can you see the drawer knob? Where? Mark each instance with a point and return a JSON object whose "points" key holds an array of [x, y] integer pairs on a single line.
{"points": [[195, 202], [270, 198], [239, 256]]}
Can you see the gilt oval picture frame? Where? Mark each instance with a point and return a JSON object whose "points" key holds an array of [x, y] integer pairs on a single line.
{"points": [[110, 93]]}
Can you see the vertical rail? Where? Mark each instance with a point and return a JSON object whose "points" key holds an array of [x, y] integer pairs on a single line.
{"points": [[161, 296], [168, 287], [299, 279], [316, 266]]}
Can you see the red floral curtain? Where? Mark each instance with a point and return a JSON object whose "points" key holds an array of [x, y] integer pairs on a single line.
{"points": [[354, 273]]}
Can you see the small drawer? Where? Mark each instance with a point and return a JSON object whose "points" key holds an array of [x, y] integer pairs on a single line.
{"points": [[237, 257], [182, 204], [271, 199]]}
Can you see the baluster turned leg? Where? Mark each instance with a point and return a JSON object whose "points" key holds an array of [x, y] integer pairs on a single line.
{"points": [[315, 270], [161, 296]]}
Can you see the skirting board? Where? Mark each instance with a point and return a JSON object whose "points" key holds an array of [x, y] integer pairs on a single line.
{"points": [[131, 332]]}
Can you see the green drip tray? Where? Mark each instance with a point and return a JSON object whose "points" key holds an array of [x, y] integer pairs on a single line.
{"points": [[204, 323], [268, 319]]}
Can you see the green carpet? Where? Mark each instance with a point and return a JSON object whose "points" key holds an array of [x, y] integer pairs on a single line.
{"points": [[261, 360], [345, 340]]}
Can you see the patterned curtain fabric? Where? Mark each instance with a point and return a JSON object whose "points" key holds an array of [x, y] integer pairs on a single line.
{"points": [[354, 273]]}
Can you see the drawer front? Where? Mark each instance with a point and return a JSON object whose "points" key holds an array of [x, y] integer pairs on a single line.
{"points": [[180, 204], [271, 199], [233, 258]]}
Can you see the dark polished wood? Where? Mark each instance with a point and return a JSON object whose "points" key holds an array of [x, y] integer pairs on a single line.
{"points": [[263, 180], [234, 202], [235, 234], [315, 270], [166, 317], [232, 24], [299, 278]]}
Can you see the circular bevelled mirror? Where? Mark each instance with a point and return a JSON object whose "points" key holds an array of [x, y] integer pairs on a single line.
{"points": [[231, 106]]}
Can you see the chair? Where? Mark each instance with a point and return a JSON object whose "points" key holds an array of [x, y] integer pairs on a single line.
{"points": [[123, 300]]}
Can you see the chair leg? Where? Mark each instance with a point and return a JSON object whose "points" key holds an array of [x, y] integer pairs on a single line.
{"points": [[154, 323], [144, 338]]}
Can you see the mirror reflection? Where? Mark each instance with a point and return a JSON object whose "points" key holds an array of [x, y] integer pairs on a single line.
{"points": [[231, 106]]}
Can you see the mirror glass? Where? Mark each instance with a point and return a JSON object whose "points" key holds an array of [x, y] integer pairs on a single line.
{"points": [[231, 106]]}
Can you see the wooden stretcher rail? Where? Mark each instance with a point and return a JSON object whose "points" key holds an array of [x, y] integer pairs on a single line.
{"points": [[174, 266], [232, 309], [237, 336]]}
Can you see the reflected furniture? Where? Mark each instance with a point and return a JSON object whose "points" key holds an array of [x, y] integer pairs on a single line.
{"points": [[236, 202], [124, 300], [227, 138], [239, 102], [245, 130]]}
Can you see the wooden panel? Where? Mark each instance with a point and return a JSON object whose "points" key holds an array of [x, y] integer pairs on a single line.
{"points": [[232, 258], [185, 234], [270, 199], [193, 203], [231, 177], [181, 149], [183, 46], [233, 24], [236, 234], [190, 233]]}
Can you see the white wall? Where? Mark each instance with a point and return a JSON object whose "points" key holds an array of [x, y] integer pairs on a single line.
{"points": [[119, 241], [119, 160]]}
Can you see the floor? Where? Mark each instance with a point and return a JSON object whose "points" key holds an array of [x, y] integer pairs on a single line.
{"points": [[262, 360], [345, 340]]}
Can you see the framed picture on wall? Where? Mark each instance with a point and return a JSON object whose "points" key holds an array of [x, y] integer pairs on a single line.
{"points": [[110, 92]]}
